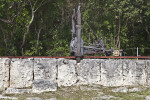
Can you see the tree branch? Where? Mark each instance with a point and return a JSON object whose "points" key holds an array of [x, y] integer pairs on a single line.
{"points": [[35, 4], [30, 4], [147, 32], [42, 3], [32, 18], [5, 21]]}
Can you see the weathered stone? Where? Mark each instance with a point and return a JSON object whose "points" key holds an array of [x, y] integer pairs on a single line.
{"points": [[140, 72], [7, 98], [42, 85], [88, 71], [134, 90], [21, 73], [87, 88], [147, 97], [4, 73], [120, 89], [33, 98], [100, 93], [95, 85], [129, 72], [17, 91], [134, 72], [66, 72], [125, 89], [148, 71], [45, 69], [51, 99], [111, 73], [104, 97]]}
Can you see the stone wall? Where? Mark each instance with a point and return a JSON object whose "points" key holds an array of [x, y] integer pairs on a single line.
{"points": [[42, 75], [4, 73]]}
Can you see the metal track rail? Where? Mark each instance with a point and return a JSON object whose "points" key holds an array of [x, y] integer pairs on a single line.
{"points": [[117, 57], [85, 57], [24, 57]]}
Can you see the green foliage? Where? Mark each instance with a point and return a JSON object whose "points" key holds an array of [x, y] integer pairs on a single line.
{"points": [[34, 50], [60, 49], [122, 25]]}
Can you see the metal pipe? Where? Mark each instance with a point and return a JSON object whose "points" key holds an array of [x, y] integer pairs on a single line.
{"points": [[78, 26]]}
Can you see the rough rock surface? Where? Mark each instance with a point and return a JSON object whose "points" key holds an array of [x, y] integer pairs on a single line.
{"points": [[134, 72], [111, 73], [129, 73], [141, 77], [21, 73], [134, 90], [87, 88], [120, 89], [102, 96], [7, 98], [88, 71], [125, 89], [105, 97], [148, 71], [45, 69], [42, 85], [16, 91], [33, 98], [51, 99], [147, 97], [66, 72], [4, 73]]}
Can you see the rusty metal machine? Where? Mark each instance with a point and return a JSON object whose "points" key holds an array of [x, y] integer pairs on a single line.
{"points": [[77, 47]]}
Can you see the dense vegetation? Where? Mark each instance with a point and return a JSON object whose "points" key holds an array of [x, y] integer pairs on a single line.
{"points": [[43, 27]]}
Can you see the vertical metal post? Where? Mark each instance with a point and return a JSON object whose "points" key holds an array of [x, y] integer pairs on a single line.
{"points": [[73, 24], [137, 52], [78, 26]]}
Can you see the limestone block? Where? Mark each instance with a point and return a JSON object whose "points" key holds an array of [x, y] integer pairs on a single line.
{"points": [[21, 73], [141, 75], [129, 72], [134, 90], [125, 89], [148, 71], [33, 98], [111, 73], [51, 99], [66, 72], [147, 97], [16, 91], [7, 98], [42, 85], [45, 69], [134, 72], [89, 71], [4, 73], [120, 89], [105, 97]]}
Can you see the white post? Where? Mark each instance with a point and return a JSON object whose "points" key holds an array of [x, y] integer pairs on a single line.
{"points": [[137, 52]]}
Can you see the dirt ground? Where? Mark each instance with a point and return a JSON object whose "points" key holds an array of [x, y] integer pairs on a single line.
{"points": [[90, 92]]}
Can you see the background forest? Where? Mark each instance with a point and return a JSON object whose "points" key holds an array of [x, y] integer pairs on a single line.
{"points": [[43, 27]]}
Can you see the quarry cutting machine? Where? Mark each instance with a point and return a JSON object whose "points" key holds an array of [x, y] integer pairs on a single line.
{"points": [[77, 47]]}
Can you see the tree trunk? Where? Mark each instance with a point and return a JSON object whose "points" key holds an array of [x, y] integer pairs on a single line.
{"points": [[37, 42], [27, 28], [118, 32], [148, 32]]}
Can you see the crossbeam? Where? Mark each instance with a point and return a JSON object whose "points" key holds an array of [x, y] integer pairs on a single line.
{"points": [[84, 57]]}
